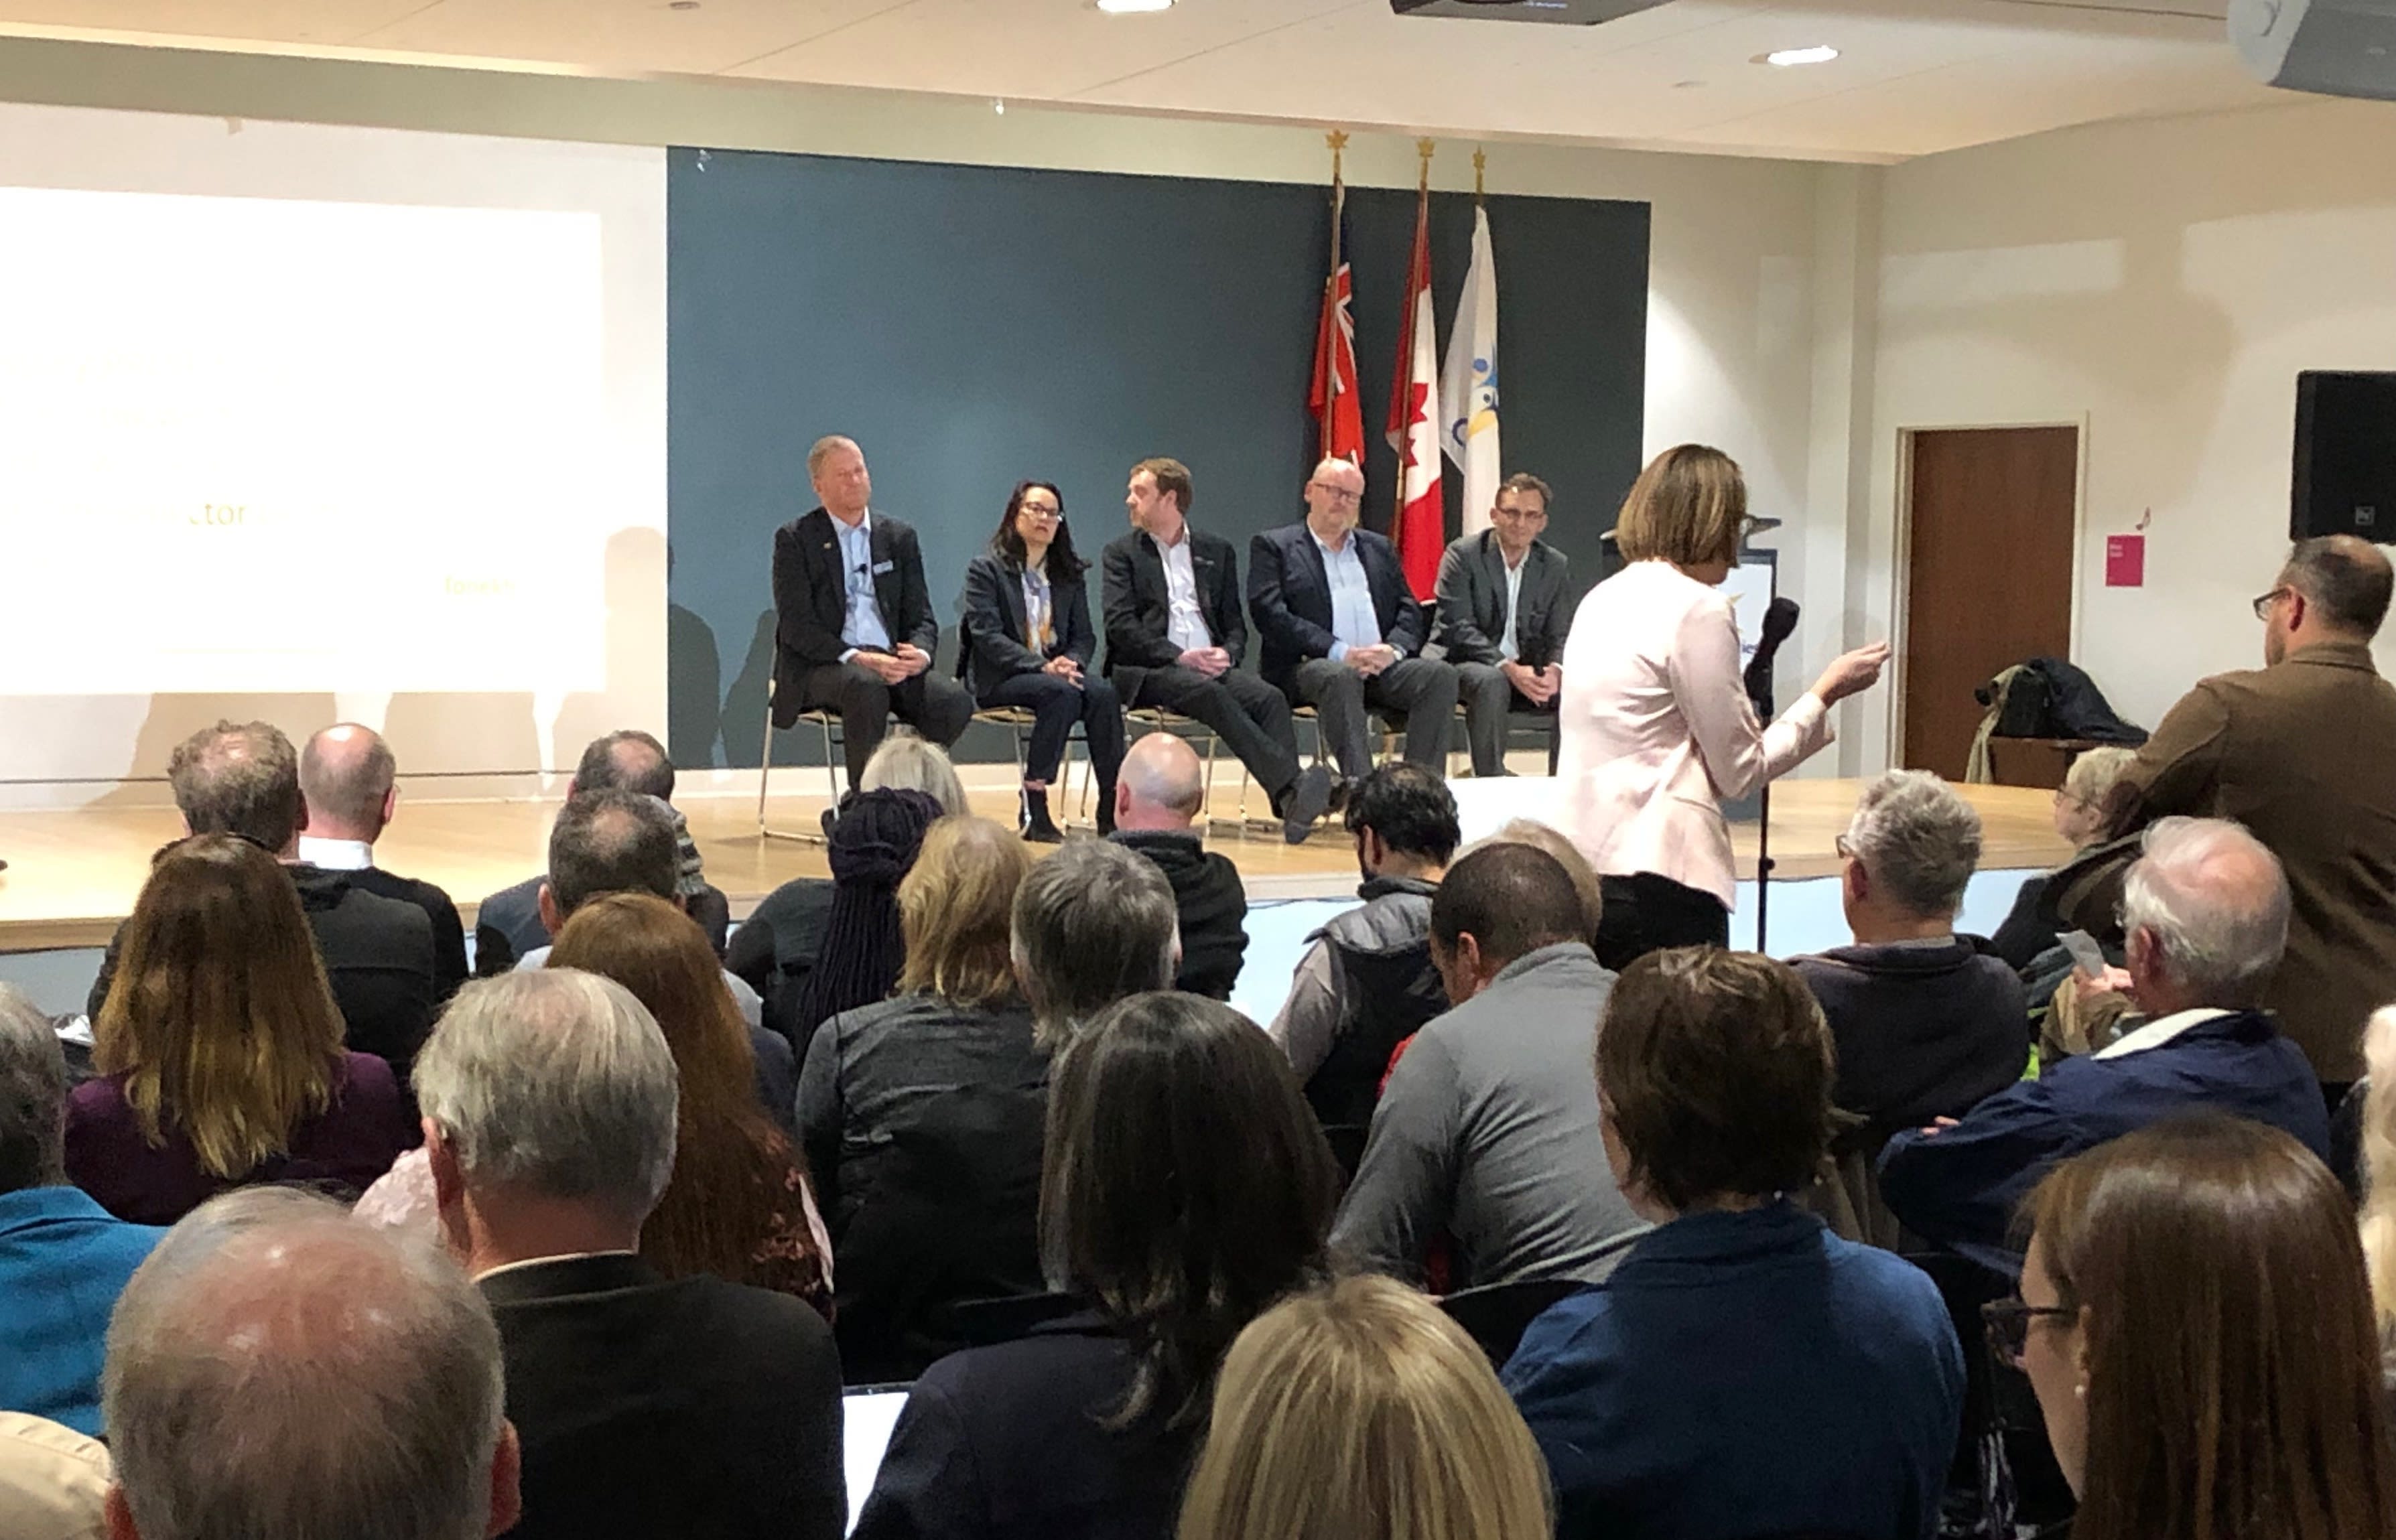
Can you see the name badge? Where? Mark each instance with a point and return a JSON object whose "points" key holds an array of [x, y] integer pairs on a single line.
{"points": [[880, 567]]}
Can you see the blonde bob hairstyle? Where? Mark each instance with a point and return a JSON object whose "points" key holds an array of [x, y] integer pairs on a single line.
{"points": [[907, 761], [1359, 1410], [1688, 508], [956, 907]]}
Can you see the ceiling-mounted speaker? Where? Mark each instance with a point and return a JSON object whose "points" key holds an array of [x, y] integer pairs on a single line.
{"points": [[2335, 47], [1570, 13], [2344, 480]]}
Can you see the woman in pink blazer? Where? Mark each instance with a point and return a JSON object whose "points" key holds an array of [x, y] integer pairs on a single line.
{"points": [[1654, 722]]}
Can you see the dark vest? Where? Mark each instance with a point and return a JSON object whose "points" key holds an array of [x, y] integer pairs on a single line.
{"points": [[1381, 972]]}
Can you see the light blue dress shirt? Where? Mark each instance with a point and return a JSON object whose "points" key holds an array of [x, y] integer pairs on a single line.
{"points": [[863, 631], [1352, 621]]}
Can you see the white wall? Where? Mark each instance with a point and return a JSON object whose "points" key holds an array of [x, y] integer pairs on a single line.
{"points": [[2167, 280]]}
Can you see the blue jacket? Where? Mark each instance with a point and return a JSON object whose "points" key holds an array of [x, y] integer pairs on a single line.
{"points": [[63, 1261], [1962, 1186], [1744, 1374]]}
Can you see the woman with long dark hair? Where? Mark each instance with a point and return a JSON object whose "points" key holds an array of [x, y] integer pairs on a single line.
{"points": [[1029, 642], [873, 847], [1185, 1188]]}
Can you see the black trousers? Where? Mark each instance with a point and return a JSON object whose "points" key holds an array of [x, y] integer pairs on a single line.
{"points": [[1056, 705], [938, 709], [1646, 912], [1250, 716], [1420, 689]]}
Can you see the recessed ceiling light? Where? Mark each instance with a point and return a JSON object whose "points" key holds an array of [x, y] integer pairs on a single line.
{"points": [[1786, 57], [1133, 7]]}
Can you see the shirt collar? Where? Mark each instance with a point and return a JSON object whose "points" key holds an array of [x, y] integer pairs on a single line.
{"points": [[2154, 1034], [1348, 548], [336, 855], [545, 1261]]}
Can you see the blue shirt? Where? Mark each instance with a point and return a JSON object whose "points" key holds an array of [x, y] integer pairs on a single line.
{"points": [[1744, 1374], [863, 628], [1352, 620], [63, 1261]]}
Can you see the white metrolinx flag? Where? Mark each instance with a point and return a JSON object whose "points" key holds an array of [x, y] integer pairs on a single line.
{"points": [[1468, 386]]}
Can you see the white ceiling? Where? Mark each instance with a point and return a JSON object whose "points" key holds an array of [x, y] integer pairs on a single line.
{"points": [[1915, 77]]}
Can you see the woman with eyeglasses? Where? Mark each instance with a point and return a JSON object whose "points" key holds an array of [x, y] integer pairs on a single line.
{"points": [[2195, 1321], [2078, 814], [1029, 642], [1655, 722]]}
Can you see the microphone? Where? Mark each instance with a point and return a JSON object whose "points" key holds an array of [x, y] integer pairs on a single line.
{"points": [[1779, 619]]}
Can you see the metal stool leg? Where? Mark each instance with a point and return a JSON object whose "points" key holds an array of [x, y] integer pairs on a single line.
{"points": [[765, 763]]}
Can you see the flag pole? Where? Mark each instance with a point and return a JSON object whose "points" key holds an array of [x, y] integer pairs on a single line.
{"points": [[1425, 148], [1480, 165], [1326, 343]]}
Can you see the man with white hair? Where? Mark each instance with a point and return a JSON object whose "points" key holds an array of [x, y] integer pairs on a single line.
{"points": [[647, 1405], [1160, 790], [1925, 1023], [2204, 910], [278, 1371]]}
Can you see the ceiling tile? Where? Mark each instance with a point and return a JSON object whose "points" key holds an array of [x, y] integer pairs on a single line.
{"points": [[623, 36], [328, 22]]}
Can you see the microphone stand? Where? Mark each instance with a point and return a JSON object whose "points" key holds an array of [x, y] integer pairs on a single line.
{"points": [[1763, 842]]}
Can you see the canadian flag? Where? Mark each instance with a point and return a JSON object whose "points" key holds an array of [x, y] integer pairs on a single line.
{"points": [[1420, 529]]}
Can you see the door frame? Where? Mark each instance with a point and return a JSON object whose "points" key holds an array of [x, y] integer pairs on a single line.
{"points": [[1901, 616]]}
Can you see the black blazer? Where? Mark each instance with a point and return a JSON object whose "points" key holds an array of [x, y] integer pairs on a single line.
{"points": [[1471, 615], [650, 1406], [1289, 594], [1139, 607], [995, 622], [811, 598]]}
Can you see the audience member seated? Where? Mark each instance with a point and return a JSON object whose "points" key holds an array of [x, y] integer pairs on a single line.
{"points": [[53, 1480], [1547, 836], [623, 842], [1157, 804], [1093, 924], [1185, 1190], [739, 1205], [1923, 1024], [1489, 1131], [648, 1406], [278, 1373], [2078, 814], [509, 925], [2194, 1319], [220, 1049], [378, 952], [2378, 1159], [1366, 981], [920, 1116], [2205, 911], [778, 945], [64, 1260], [872, 846], [349, 788], [1360, 1411], [1744, 1371]]}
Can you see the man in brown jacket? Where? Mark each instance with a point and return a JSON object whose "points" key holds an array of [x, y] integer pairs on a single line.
{"points": [[2303, 752]]}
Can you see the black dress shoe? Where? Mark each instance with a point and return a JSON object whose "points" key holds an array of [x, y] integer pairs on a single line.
{"points": [[1308, 800], [1339, 791], [1034, 823]]}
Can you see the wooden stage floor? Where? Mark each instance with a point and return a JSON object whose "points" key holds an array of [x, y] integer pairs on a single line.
{"points": [[73, 875]]}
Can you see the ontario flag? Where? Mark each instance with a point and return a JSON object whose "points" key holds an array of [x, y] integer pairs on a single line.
{"points": [[1338, 409], [1420, 529]]}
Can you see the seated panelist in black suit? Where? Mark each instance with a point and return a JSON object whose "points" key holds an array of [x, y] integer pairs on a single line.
{"points": [[1505, 606], [1341, 632], [853, 628], [1028, 640], [1176, 637]]}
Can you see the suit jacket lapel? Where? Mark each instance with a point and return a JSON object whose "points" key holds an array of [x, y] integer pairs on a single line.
{"points": [[886, 580], [1010, 599], [1312, 555], [1150, 563], [1493, 562]]}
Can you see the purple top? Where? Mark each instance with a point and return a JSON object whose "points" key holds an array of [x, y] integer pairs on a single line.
{"points": [[347, 1145]]}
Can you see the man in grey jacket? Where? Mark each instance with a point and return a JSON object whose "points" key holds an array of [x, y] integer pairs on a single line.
{"points": [[1505, 603], [1488, 1134]]}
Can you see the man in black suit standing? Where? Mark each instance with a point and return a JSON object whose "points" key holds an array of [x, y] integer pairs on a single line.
{"points": [[1175, 638], [1505, 603], [1340, 630], [854, 628], [349, 782], [645, 1406]]}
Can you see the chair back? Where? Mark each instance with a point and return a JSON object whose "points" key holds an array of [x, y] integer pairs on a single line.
{"points": [[1496, 1315], [985, 1322]]}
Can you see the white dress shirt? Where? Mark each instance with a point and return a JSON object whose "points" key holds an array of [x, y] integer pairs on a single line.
{"points": [[336, 855], [1353, 624], [864, 629], [1506, 648], [1185, 622]]}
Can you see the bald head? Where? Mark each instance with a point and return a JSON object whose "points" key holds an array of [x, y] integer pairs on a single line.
{"points": [[276, 1371], [346, 774], [1163, 785], [1334, 500], [2347, 581], [2204, 910]]}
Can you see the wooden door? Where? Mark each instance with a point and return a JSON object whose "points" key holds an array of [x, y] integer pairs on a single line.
{"points": [[1988, 573]]}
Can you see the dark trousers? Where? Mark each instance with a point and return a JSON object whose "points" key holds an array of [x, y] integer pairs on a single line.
{"points": [[1646, 912], [938, 709], [1056, 704], [1250, 716], [1489, 699], [1417, 688]]}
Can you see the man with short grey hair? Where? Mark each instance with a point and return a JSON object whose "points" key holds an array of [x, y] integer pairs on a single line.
{"points": [[647, 1405], [280, 1373], [1093, 924], [1159, 796], [63, 1258], [1924, 1021], [2206, 912]]}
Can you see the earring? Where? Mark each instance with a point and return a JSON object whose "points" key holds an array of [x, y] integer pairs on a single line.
{"points": [[2081, 1391]]}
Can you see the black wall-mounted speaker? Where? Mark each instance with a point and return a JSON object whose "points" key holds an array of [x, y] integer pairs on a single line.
{"points": [[2345, 474]]}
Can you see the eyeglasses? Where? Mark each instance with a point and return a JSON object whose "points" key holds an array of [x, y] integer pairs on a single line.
{"points": [[2263, 602], [1839, 843], [1035, 510], [1337, 494], [2007, 1323]]}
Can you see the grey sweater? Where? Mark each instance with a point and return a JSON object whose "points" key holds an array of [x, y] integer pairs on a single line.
{"points": [[1488, 1132]]}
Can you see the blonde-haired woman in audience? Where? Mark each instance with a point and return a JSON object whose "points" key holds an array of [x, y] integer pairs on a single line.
{"points": [[220, 1049], [1361, 1411], [2378, 1160], [2079, 814], [738, 1207], [909, 761]]}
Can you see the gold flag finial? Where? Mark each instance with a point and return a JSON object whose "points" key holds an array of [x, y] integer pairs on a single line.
{"points": [[1426, 148], [1479, 166], [1338, 139]]}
